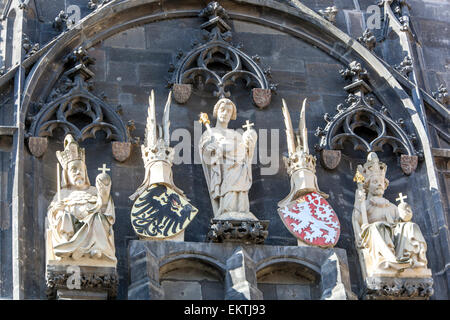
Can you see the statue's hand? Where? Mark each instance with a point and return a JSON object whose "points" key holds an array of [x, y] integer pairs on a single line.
{"points": [[213, 149], [103, 185], [249, 137], [405, 212]]}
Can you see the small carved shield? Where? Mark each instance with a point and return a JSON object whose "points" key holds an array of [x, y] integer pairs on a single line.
{"points": [[261, 97], [182, 92], [159, 213], [121, 150], [37, 146], [312, 220], [408, 163], [330, 158]]}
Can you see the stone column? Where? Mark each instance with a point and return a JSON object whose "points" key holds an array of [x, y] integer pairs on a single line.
{"points": [[240, 280], [144, 277], [336, 279]]}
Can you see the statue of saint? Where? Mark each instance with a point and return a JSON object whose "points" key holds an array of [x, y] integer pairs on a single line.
{"points": [[80, 216], [389, 241], [226, 157]]}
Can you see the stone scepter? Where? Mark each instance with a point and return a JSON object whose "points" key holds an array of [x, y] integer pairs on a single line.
{"points": [[359, 179]]}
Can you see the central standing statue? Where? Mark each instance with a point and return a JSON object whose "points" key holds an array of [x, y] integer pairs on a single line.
{"points": [[226, 157]]}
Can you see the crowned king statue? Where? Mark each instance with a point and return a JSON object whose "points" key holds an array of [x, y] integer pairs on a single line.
{"points": [[80, 216], [389, 243]]}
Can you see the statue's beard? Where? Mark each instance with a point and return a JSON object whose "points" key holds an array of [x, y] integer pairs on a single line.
{"points": [[379, 192], [78, 181]]}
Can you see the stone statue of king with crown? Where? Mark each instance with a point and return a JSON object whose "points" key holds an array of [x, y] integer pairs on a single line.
{"points": [[80, 216], [389, 244]]}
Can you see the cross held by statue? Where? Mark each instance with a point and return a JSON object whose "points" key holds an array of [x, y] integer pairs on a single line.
{"points": [[401, 197], [248, 125], [104, 168]]}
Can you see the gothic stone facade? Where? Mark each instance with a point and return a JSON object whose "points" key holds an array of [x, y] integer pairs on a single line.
{"points": [[136, 45]]}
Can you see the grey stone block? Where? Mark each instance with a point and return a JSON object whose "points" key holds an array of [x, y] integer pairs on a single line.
{"points": [[132, 38], [181, 290]]}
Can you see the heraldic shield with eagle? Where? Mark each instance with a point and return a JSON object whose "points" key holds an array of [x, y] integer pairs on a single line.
{"points": [[305, 212], [160, 210]]}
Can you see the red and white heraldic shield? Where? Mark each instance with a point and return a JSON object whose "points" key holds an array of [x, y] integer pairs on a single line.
{"points": [[312, 220]]}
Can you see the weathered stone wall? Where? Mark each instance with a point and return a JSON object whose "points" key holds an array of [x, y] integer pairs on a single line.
{"points": [[132, 63]]}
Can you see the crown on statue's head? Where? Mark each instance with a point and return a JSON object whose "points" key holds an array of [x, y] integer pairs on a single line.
{"points": [[71, 152], [373, 167], [300, 160], [160, 151]]}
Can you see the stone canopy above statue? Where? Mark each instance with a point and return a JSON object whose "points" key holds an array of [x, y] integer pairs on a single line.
{"points": [[218, 64], [357, 114]]}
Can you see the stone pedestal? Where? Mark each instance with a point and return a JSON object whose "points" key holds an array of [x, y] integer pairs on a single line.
{"points": [[70, 282], [389, 284], [238, 231]]}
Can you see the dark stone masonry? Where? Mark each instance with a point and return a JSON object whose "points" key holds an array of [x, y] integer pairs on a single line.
{"points": [[136, 47]]}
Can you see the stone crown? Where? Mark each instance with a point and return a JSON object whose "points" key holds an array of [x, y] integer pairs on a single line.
{"points": [[373, 167], [300, 160], [158, 152], [72, 152]]}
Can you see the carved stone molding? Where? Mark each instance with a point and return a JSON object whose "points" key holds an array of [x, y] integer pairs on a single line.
{"points": [[90, 279], [359, 113], [73, 108], [239, 267], [398, 288], [217, 64], [396, 11], [243, 231]]}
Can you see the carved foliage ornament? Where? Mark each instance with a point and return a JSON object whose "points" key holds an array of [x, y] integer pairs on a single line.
{"points": [[366, 128], [379, 288], [217, 65], [88, 281], [76, 110]]}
